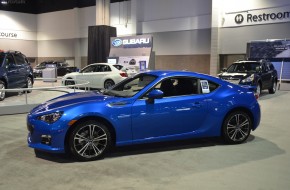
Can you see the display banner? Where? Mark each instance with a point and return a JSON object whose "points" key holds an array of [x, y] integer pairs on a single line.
{"points": [[132, 51], [132, 42], [271, 49], [19, 35], [256, 17]]}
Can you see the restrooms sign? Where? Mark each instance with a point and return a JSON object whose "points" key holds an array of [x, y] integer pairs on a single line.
{"points": [[256, 17]]}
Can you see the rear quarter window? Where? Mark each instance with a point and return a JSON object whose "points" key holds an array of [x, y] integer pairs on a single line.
{"points": [[208, 86]]}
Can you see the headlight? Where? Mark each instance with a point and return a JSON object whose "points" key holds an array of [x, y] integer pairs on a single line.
{"points": [[249, 79], [50, 118]]}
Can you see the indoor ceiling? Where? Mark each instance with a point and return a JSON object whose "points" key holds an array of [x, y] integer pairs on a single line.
{"points": [[44, 6]]}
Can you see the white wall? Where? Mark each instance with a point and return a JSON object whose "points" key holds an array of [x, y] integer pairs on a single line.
{"points": [[233, 39], [25, 26], [59, 32], [172, 15]]}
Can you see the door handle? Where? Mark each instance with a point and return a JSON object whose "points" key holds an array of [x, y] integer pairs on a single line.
{"points": [[196, 105]]}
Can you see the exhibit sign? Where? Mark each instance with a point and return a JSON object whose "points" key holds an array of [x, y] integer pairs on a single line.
{"points": [[132, 51], [269, 49], [132, 41], [256, 17]]}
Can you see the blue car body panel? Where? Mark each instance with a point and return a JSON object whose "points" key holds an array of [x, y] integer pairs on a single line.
{"points": [[135, 121]]}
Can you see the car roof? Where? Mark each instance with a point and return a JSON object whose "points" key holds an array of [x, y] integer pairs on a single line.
{"points": [[247, 62], [170, 73], [101, 64]]}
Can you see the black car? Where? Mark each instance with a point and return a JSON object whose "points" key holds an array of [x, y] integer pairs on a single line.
{"points": [[261, 74], [15, 72], [62, 68]]}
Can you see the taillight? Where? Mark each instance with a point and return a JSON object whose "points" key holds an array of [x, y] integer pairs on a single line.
{"points": [[123, 74]]}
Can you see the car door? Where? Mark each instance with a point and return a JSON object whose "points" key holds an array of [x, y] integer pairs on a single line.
{"points": [[266, 76], [178, 113], [12, 72], [22, 71], [85, 75]]}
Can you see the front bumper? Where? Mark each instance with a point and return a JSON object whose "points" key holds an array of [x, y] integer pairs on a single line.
{"points": [[46, 137]]}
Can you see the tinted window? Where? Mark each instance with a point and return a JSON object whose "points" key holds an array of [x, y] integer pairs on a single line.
{"points": [[1, 59], [88, 69], [9, 60], [178, 86], [19, 59], [103, 68], [131, 86], [243, 67]]}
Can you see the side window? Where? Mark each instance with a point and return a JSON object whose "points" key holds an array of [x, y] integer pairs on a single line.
{"points": [[9, 61], [207, 86], [103, 68], [178, 86], [88, 69], [19, 59]]}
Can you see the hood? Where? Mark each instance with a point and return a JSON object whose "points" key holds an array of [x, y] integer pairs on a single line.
{"points": [[71, 99], [229, 76]]}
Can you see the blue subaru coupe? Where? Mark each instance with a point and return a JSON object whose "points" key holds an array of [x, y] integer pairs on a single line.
{"points": [[150, 107]]}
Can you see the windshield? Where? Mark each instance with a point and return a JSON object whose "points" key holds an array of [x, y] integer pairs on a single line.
{"points": [[131, 86], [2, 56], [243, 67]]}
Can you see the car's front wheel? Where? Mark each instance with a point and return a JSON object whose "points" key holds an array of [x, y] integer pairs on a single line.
{"points": [[274, 87], [108, 84], [29, 84], [89, 140], [69, 81], [2, 93], [258, 90], [236, 127]]}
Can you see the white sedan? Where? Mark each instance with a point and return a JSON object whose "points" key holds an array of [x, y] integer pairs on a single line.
{"points": [[99, 75]]}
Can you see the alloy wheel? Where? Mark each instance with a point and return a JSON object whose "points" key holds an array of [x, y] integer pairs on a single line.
{"points": [[238, 127], [258, 90], [108, 84], [2, 93], [29, 83], [90, 141]]}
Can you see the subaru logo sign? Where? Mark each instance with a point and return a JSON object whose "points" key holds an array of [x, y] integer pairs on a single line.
{"points": [[239, 18], [117, 42]]}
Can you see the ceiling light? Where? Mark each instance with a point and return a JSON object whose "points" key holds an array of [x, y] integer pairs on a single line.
{"points": [[4, 2]]}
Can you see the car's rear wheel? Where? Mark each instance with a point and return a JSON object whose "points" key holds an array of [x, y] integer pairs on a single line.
{"points": [[274, 87], [236, 127], [2, 93], [108, 84], [89, 140]]}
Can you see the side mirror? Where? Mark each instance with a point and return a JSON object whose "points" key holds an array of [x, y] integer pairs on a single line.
{"points": [[224, 70], [154, 94]]}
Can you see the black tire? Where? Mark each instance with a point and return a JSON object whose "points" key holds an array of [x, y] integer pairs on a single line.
{"points": [[69, 82], [236, 127], [273, 89], [108, 84], [3, 93], [89, 140], [29, 84]]}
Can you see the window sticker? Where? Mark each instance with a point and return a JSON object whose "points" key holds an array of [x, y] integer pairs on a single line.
{"points": [[204, 86]]}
